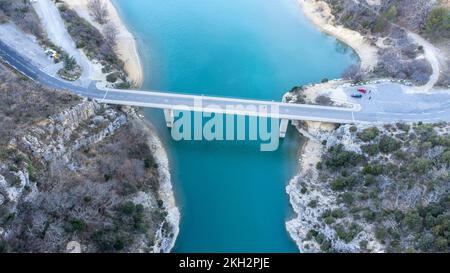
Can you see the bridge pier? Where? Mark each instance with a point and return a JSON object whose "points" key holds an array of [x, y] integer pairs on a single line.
{"points": [[283, 127], [169, 117]]}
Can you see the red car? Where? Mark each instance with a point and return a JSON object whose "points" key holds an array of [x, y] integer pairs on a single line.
{"points": [[362, 90]]}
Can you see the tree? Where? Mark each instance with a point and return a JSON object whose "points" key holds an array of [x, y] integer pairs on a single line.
{"points": [[353, 73], [324, 100], [99, 11], [385, 18], [69, 63], [388, 145], [438, 23], [110, 32]]}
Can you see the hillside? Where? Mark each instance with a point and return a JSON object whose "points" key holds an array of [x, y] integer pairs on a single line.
{"points": [[78, 175], [388, 25], [382, 188]]}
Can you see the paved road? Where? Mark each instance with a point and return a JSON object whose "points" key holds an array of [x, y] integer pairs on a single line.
{"points": [[374, 110]]}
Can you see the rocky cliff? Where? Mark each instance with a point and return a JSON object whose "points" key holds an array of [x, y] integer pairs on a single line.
{"points": [[87, 177], [381, 188]]}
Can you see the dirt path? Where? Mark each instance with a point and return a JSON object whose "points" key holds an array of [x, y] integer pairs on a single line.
{"points": [[126, 43], [431, 53], [57, 33]]}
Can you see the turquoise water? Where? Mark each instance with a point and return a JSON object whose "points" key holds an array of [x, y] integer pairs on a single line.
{"points": [[232, 196]]}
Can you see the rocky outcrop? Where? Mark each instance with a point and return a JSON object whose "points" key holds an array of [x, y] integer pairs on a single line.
{"points": [[368, 188], [82, 125], [386, 24], [60, 144]]}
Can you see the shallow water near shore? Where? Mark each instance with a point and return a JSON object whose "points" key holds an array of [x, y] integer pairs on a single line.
{"points": [[231, 196]]}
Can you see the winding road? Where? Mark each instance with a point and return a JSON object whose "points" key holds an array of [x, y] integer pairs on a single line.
{"points": [[387, 102]]}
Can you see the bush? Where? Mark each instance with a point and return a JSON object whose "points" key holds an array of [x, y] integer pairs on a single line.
{"points": [[113, 77], [413, 221], [312, 204], [381, 234], [338, 157], [445, 158], [342, 183], [373, 169], [385, 18], [421, 165], [77, 225], [371, 149], [348, 234], [389, 145], [438, 23], [324, 100], [123, 85], [369, 134], [128, 208]]}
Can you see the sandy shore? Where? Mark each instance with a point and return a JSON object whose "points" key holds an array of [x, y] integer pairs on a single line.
{"points": [[319, 13], [164, 242], [126, 44]]}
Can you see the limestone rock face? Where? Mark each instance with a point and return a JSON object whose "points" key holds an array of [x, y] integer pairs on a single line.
{"points": [[71, 130]]}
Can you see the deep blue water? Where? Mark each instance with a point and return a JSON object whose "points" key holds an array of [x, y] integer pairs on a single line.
{"points": [[232, 196]]}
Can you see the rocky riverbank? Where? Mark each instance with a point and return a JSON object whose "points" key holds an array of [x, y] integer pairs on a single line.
{"points": [[86, 177], [380, 188], [391, 38], [330, 218]]}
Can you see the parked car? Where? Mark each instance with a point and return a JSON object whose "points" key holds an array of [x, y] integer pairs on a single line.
{"points": [[356, 95], [362, 90]]}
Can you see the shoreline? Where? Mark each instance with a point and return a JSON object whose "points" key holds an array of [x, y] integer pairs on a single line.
{"points": [[126, 44], [319, 14], [166, 193], [128, 52]]}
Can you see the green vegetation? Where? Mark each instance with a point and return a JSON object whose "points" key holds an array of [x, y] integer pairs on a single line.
{"points": [[94, 44], [22, 14], [386, 17], [101, 214], [77, 225], [388, 189], [369, 134], [338, 157], [71, 71], [438, 23]]}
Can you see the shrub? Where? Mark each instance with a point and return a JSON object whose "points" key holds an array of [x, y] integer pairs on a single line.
{"points": [[342, 183], [338, 157], [113, 77], [324, 100], [373, 169], [312, 204], [421, 165], [348, 198], [128, 208], [77, 225], [381, 234], [348, 234], [123, 85], [445, 158], [388, 145], [369, 134], [438, 23], [384, 19], [413, 221], [371, 149]]}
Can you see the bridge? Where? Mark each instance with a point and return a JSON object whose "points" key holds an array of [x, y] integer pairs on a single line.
{"points": [[392, 104], [169, 101]]}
